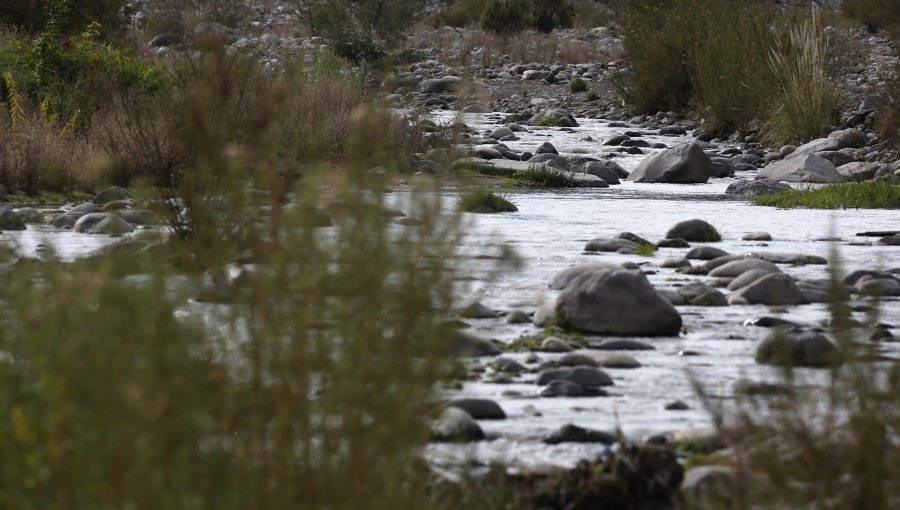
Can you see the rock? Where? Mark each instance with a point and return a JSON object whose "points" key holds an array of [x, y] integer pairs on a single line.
{"points": [[757, 236], [517, 317], [605, 170], [633, 238], [859, 171], [573, 434], [553, 160], [110, 194], [611, 245], [213, 30], [501, 132], [477, 311], [616, 140], [753, 188], [115, 205], [467, 344], [705, 253], [709, 486], [746, 278], [773, 289], [614, 360], [456, 426], [479, 408], [563, 388], [879, 287], [837, 158], [555, 116], [476, 108], [841, 139], [678, 405], [745, 386], [80, 210], [698, 294], [562, 279], [888, 241], [788, 258], [584, 376], [487, 152], [102, 223], [684, 163], [673, 263], [797, 348], [9, 220], [139, 216], [554, 344], [508, 365], [588, 181], [29, 215], [546, 148], [801, 168], [673, 243], [63, 221], [694, 231], [738, 267], [616, 302], [622, 345], [438, 85]]}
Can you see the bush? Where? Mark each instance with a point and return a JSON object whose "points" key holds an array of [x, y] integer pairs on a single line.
{"points": [[504, 17], [462, 13], [875, 14], [889, 115], [547, 15], [577, 85], [34, 15]]}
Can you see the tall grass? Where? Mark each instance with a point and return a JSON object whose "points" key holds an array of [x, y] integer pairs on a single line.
{"points": [[544, 176], [848, 195], [806, 102]]}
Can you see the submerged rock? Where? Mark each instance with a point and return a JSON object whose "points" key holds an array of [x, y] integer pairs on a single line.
{"points": [[456, 426], [772, 289], [798, 348], [694, 231], [479, 408]]}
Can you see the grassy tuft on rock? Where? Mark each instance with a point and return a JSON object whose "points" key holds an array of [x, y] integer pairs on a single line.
{"points": [[485, 201], [544, 176]]}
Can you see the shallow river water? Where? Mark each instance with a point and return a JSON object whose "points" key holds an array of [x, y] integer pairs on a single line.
{"points": [[549, 233]]}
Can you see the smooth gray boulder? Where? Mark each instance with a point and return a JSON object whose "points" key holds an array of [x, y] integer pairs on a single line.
{"points": [[80, 210], [9, 220], [772, 289], [684, 163], [110, 194], [859, 171], [747, 278], [467, 344], [437, 85], [553, 116], [605, 170], [840, 139], [479, 408], [562, 278], [698, 294], [616, 302], [879, 287], [801, 168], [738, 267], [705, 253], [554, 160], [456, 426], [611, 244], [694, 231], [102, 223], [788, 346], [574, 434], [753, 188]]}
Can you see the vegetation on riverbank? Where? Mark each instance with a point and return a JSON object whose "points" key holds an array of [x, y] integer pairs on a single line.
{"points": [[543, 176], [682, 56], [848, 195], [484, 201]]}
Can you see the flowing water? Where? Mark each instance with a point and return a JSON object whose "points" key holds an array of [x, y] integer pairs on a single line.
{"points": [[549, 233]]}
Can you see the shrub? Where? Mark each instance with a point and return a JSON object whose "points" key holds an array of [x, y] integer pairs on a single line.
{"points": [[577, 85], [547, 15], [462, 13], [484, 201], [806, 102], [504, 17], [875, 14], [889, 115], [34, 15], [361, 31]]}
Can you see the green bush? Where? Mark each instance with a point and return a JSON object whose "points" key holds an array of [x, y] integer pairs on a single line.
{"points": [[462, 13], [875, 14], [505, 17], [849, 195], [544, 176], [577, 85], [484, 201], [547, 15], [34, 15]]}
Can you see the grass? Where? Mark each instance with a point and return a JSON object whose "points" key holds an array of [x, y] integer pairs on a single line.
{"points": [[544, 176], [875, 14], [848, 195], [577, 85], [484, 201], [646, 250]]}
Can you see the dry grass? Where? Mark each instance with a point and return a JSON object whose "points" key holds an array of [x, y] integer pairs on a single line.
{"points": [[806, 103]]}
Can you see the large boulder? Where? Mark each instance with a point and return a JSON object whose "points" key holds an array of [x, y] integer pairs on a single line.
{"points": [[841, 139], [110, 194], [479, 408], [553, 116], [616, 302], [789, 346], [738, 267], [609, 171], [438, 85], [694, 231], [456, 426], [859, 171], [562, 279], [611, 244], [9, 220], [801, 168], [773, 289], [684, 163], [102, 223]]}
